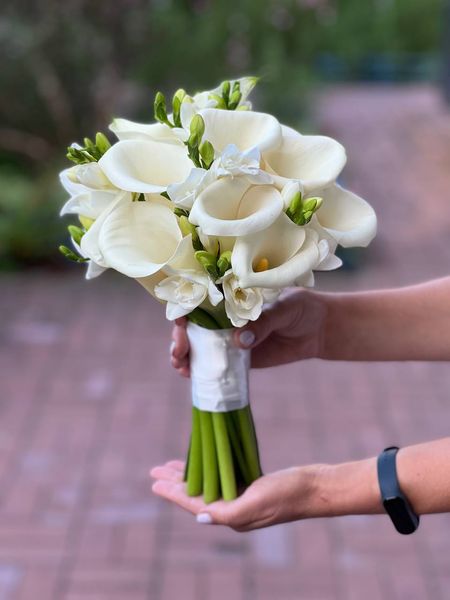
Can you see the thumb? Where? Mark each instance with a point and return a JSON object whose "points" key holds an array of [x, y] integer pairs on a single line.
{"points": [[256, 332]]}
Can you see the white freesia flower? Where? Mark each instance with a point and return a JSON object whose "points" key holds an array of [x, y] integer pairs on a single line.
{"points": [[245, 129], [136, 238], [314, 160], [346, 217], [79, 178], [289, 251], [184, 194], [185, 292], [232, 162], [145, 166], [241, 305], [235, 207], [157, 132]]}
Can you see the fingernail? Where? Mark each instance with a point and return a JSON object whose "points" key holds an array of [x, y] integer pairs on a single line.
{"points": [[204, 518], [172, 347], [247, 337]]}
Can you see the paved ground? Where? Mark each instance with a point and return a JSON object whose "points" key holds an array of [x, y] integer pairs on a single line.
{"points": [[89, 404]]}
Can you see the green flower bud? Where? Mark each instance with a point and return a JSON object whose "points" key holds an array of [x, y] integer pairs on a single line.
{"points": [[102, 142], [224, 262], [220, 102], [187, 228], [311, 204], [160, 110], [226, 88], [294, 206], [234, 100], [76, 233], [71, 255], [208, 262], [177, 101], [197, 129], [207, 153], [180, 212]]}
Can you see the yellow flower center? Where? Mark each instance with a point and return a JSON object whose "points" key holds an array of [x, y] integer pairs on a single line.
{"points": [[261, 265]]}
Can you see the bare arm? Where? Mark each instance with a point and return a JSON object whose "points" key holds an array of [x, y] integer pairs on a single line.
{"points": [[411, 323], [320, 490]]}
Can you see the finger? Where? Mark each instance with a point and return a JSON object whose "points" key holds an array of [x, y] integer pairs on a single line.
{"points": [[178, 363], [167, 473], [180, 347], [178, 465], [175, 492], [276, 316], [184, 371]]}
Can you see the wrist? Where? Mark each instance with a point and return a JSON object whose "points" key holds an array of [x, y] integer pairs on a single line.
{"points": [[346, 489]]}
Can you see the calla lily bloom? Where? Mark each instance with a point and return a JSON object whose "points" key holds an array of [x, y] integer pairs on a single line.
{"points": [[157, 132], [90, 203], [145, 166], [136, 238], [235, 207], [289, 251], [313, 160], [243, 128], [346, 217]]}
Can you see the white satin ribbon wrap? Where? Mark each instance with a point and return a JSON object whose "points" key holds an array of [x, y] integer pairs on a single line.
{"points": [[219, 370]]}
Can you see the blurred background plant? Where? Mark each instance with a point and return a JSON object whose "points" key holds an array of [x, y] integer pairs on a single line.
{"points": [[69, 67]]}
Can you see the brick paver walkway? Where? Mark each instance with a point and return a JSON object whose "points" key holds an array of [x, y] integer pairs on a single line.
{"points": [[89, 403]]}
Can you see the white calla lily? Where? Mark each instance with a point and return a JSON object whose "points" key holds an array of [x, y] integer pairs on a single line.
{"points": [[314, 160], [158, 132], [89, 204], [245, 129], [288, 250], [346, 217], [145, 166], [136, 238], [89, 244], [235, 207]]}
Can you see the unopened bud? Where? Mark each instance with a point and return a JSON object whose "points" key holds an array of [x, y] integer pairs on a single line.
{"points": [[207, 153], [224, 262], [76, 233]]}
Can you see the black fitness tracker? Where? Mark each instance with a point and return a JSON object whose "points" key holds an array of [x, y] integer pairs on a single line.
{"points": [[395, 503]]}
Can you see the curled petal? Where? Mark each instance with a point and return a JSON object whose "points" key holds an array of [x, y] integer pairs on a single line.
{"points": [[289, 250], [139, 238], [346, 217], [314, 160], [242, 128], [233, 207], [89, 204], [129, 130], [145, 166]]}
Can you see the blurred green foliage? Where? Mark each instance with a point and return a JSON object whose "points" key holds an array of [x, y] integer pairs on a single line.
{"points": [[69, 67]]}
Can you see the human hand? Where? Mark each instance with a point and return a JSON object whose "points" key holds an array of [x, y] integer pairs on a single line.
{"points": [[279, 497], [291, 329]]}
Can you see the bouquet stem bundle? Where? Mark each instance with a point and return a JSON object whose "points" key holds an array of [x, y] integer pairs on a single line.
{"points": [[223, 452]]}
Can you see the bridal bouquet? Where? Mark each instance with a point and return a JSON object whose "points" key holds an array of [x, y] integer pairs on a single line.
{"points": [[215, 209]]}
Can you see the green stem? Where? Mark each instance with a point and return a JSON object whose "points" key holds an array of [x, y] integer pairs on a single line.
{"points": [[248, 439], [237, 448], [195, 466], [210, 467], [224, 457], [203, 319]]}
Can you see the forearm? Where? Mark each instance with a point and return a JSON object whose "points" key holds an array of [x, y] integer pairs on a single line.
{"points": [[410, 323], [352, 488]]}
